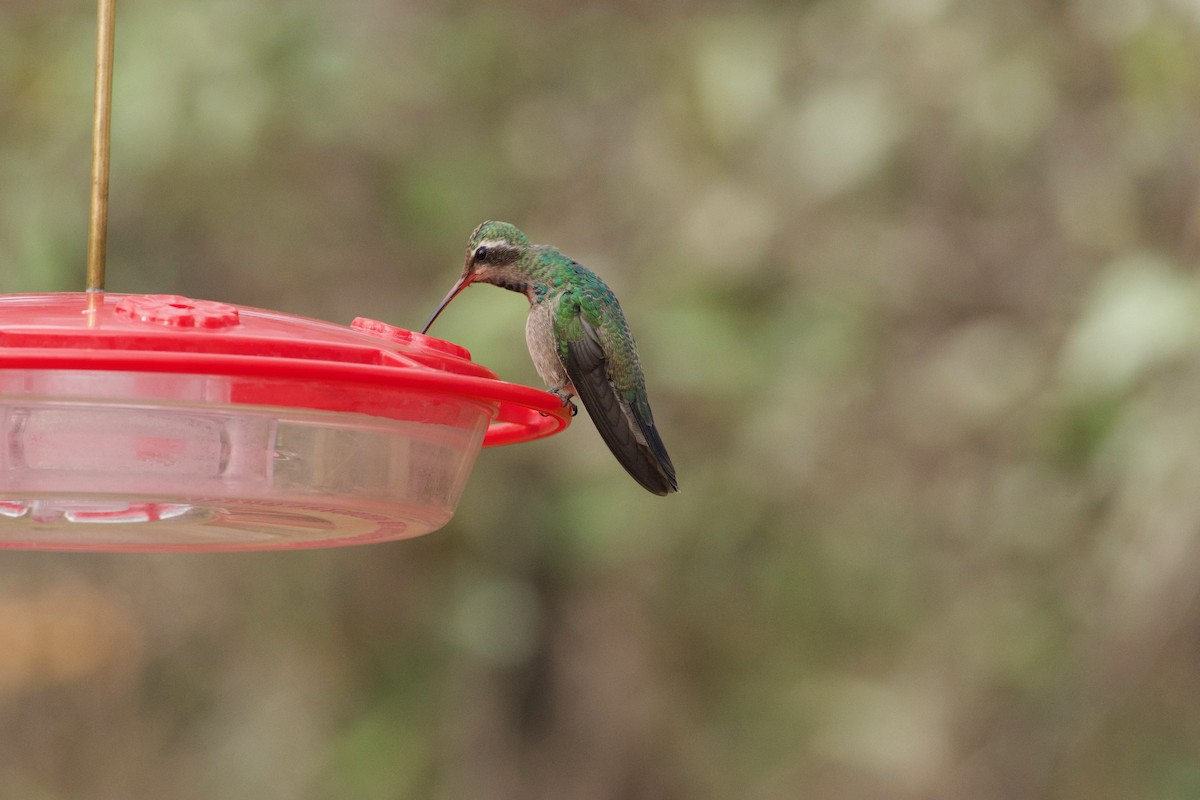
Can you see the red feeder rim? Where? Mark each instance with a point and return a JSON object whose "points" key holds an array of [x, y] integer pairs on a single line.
{"points": [[173, 334]]}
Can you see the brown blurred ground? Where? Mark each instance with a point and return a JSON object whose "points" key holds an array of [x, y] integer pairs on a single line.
{"points": [[916, 288]]}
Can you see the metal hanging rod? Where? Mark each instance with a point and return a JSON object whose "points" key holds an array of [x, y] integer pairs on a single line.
{"points": [[101, 122]]}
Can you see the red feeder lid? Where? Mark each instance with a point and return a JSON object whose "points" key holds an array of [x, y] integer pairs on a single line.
{"points": [[201, 425]]}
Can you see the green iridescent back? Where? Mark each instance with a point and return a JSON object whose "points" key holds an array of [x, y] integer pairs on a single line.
{"points": [[576, 292]]}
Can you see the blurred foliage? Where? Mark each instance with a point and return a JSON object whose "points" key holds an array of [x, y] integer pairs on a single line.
{"points": [[917, 293]]}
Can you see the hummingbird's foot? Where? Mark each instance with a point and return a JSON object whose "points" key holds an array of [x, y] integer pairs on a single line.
{"points": [[562, 394]]}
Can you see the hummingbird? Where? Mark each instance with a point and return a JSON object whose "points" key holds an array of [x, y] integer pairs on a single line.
{"points": [[579, 342]]}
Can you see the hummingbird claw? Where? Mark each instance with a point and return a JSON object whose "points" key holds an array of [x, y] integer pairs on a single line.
{"points": [[565, 396]]}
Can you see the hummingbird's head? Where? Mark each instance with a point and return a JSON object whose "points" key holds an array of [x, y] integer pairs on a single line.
{"points": [[494, 255], [493, 252]]}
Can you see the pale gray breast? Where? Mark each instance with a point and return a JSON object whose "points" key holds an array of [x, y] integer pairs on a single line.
{"points": [[539, 335]]}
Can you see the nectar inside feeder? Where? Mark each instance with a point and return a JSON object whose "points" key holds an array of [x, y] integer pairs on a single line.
{"points": [[158, 422]]}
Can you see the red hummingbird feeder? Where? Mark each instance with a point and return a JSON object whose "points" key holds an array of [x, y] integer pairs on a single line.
{"points": [[159, 422]]}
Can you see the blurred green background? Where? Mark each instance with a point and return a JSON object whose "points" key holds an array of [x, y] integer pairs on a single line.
{"points": [[915, 283]]}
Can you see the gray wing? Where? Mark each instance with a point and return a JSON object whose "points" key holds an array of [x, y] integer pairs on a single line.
{"points": [[627, 429]]}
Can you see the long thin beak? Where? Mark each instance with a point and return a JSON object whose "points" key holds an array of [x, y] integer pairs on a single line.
{"points": [[459, 285]]}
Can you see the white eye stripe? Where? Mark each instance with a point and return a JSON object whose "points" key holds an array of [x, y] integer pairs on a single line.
{"points": [[499, 251]]}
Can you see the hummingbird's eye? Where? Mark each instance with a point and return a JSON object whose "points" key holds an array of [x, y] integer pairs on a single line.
{"points": [[481, 254]]}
